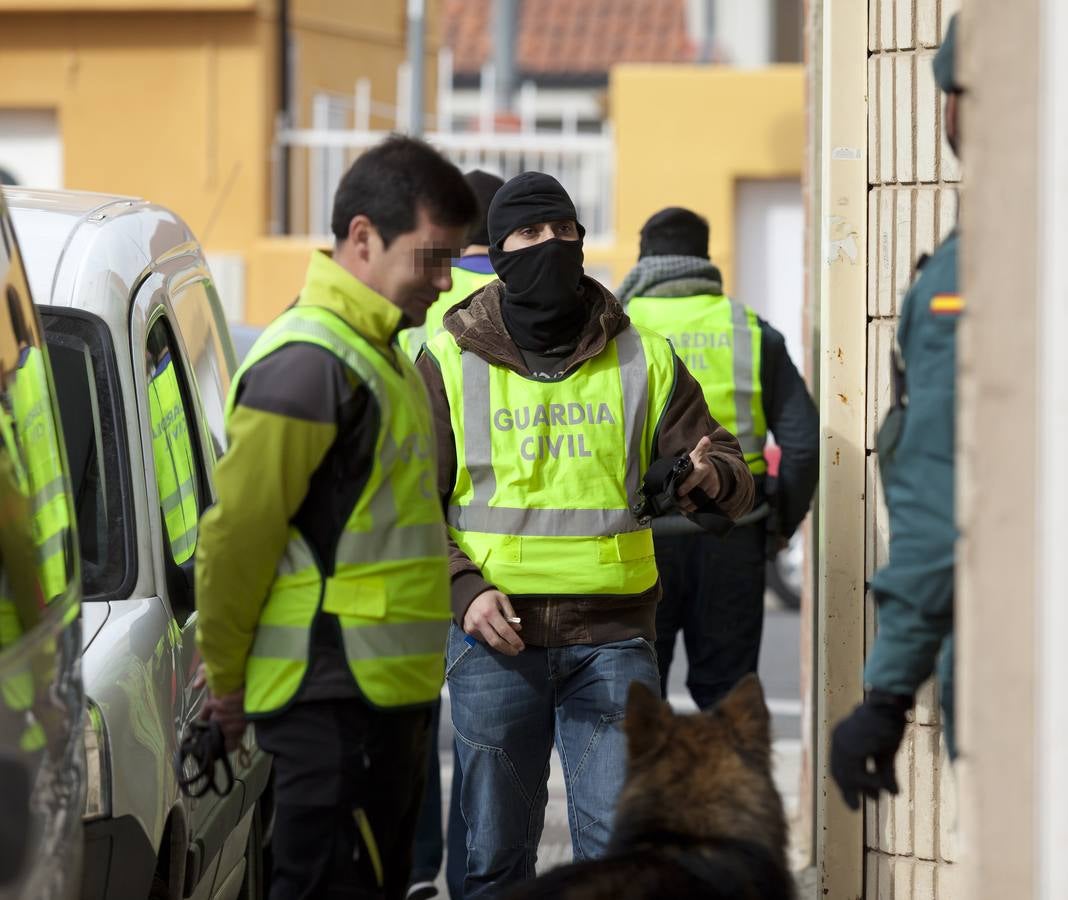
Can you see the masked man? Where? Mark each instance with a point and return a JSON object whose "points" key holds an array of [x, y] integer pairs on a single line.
{"points": [[548, 407]]}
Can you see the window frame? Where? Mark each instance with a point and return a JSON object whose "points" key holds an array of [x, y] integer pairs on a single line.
{"points": [[106, 371], [218, 332], [193, 427]]}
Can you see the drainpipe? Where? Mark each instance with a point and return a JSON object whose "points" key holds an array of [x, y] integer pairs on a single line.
{"points": [[505, 18], [416, 55], [285, 111], [708, 38]]}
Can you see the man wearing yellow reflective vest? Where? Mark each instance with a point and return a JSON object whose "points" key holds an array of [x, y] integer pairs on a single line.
{"points": [[470, 272], [714, 586], [549, 406], [172, 452], [322, 581]]}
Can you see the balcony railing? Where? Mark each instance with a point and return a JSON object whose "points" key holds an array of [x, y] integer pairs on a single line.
{"points": [[308, 164]]}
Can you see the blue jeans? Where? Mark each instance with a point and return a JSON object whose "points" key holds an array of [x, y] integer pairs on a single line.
{"points": [[507, 711]]}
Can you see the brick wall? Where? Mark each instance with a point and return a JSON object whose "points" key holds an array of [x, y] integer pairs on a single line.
{"points": [[911, 205]]}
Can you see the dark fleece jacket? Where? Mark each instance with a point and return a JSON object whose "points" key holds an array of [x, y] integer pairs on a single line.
{"points": [[555, 620]]}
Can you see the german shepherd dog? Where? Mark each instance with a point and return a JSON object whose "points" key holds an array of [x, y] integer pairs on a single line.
{"points": [[698, 816]]}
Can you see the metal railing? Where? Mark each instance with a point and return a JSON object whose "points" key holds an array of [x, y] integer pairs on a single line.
{"points": [[308, 164]]}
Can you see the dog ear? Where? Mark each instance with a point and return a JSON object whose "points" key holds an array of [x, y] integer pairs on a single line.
{"points": [[747, 715], [647, 716]]}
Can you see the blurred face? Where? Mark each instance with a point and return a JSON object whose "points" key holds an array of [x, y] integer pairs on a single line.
{"points": [[412, 270], [539, 232]]}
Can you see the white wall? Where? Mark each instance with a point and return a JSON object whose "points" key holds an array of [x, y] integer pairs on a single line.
{"points": [[743, 32], [30, 147], [769, 230]]}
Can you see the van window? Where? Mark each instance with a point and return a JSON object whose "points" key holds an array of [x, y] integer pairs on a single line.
{"points": [[203, 329], [86, 377], [178, 481]]}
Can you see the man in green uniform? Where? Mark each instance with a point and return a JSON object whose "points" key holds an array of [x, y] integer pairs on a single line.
{"points": [[713, 585], [470, 272], [914, 591], [322, 580]]}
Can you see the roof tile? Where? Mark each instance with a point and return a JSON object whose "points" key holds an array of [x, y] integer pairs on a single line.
{"points": [[572, 37]]}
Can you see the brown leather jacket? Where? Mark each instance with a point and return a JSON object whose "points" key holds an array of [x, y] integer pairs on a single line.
{"points": [[555, 620]]}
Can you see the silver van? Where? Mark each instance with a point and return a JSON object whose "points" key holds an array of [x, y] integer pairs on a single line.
{"points": [[142, 362], [42, 705]]}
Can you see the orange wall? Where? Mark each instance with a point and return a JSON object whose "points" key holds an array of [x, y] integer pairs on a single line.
{"points": [[177, 108], [685, 135]]}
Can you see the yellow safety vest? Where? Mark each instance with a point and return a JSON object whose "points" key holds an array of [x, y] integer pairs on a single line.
{"points": [[172, 452], [49, 494], [389, 586], [464, 283], [17, 684], [719, 339], [547, 471]]}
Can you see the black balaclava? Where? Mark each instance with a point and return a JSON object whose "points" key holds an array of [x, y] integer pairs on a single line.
{"points": [[543, 303], [674, 232], [483, 185]]}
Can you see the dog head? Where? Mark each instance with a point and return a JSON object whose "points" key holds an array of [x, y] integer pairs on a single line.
{"points": [[706, 775]]}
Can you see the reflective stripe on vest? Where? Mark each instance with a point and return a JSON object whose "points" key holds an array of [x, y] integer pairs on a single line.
{"points": [[172, 452], [464, 283], [719, 340], [389, 586], [35, 427], [547, 471]]}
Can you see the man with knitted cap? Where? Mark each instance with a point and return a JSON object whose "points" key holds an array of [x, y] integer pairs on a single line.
{"points": [[714, 585], [914, 590], [549, 406]]}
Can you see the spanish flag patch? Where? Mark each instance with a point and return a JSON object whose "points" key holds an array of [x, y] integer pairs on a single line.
{"points": [[947, 305]]}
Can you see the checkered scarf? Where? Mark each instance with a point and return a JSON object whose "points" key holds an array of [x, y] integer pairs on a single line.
{"points": [[670, 276]]}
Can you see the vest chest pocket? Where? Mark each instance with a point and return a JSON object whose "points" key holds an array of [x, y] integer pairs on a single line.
{"points": [[362, 598]]}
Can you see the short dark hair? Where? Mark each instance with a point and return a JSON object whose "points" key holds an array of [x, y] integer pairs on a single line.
{"points": [[389, 182], [674, 231]]}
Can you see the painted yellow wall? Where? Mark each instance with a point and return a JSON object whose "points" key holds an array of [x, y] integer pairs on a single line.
{"points": [[276, 267], [175, 100], [686, 134], [334, 47], [175, 108], [97, 6]]}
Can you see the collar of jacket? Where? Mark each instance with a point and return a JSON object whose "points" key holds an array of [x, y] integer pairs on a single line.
{"points": [[478, 326], [329, 286]]}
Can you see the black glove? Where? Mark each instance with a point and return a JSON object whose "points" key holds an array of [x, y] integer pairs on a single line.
{"points": [[658, 496], [872, 731]]}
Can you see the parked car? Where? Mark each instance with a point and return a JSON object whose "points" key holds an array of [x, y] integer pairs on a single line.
{"points": [[42, 704], [142, 363]]}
